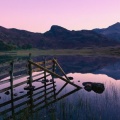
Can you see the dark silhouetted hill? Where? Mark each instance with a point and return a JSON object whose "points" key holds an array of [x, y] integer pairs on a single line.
{"points": [[63, 38], [112, 32], [56, 38]]}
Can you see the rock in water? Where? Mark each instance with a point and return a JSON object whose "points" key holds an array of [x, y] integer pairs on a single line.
{"points": [[85, 83], [21, 92], [51, 80], [88, 87], [29, 87], [7, 92], [15, 94], [43, 81], [70, 78], [98, 87]]}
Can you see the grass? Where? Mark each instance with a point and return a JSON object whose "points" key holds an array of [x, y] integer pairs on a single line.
{"points": [[114, 51], [82, 107]]}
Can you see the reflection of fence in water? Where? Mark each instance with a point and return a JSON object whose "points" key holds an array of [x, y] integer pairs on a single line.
{"points": [[13, 71], [36, 98], [33, 99], [8, 73]]}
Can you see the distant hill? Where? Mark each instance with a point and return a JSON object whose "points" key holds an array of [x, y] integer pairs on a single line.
{"points": [[56, 38], [63, 38], [20, 38], [112, 32]]}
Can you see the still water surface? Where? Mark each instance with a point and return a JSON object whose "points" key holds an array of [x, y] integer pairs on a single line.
{"points": [[72, 104]]}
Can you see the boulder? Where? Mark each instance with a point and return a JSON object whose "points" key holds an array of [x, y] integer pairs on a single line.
{"points": [[88, 87], [85, 83], [43, 81], [70, 78], [96, 87], [51, 80], [15, 94], [7, 92], [21, 92]]}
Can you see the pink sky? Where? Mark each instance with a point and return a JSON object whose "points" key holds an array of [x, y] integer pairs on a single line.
{"points": [[40, 15]]}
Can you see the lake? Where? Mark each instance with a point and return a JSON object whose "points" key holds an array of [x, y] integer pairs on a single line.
{"points": [[58, 100]]}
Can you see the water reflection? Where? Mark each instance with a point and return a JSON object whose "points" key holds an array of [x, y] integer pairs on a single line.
{"points": [[34, 100], [91, 64], [72, 103]]}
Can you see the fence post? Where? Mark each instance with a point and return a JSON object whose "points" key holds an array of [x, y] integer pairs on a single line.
{"points": [[53, 70], [45, 79], [11, 76], [30, 71], [11, 85]]}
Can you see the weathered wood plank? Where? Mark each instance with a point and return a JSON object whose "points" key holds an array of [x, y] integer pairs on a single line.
{"points": [[52, 73], [60, 69], [38, 69], [30, 71], [40, 63]]}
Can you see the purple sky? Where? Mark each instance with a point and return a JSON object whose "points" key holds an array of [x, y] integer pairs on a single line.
{"points": [[40, 15]]}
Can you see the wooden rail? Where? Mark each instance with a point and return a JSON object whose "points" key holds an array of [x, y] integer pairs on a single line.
{"points": [[42, 67], [53, 73]]}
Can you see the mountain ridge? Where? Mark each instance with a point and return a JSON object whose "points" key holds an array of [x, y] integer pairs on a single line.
{"points": [[111, 32], [55, 38]]}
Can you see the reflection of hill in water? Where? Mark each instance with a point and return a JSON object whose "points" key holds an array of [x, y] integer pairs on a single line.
{"points": [[112, 70], [86, 64], [98, 65], [7, 58]]}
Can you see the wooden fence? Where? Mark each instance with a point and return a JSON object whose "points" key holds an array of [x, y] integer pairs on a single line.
{"points": [[11, 75]]}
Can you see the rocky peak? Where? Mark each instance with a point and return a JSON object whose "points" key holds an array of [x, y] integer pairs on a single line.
{"points": [[56, 28], [115, 26]]}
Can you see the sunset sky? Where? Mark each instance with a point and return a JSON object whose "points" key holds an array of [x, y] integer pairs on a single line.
{"points": [[40, 15]]}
